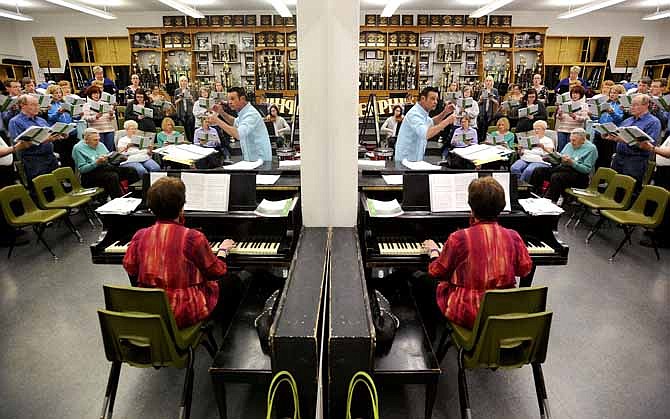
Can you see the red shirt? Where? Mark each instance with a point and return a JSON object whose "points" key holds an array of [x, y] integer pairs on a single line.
{"points": [[483, 257], [179, 260]]}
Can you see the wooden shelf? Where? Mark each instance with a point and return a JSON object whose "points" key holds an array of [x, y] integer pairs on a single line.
{"points": [[145, 49]]}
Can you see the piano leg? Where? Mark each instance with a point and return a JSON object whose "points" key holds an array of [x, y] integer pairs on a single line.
{"points": [[527, 280], [431, 393], [220, 395]]}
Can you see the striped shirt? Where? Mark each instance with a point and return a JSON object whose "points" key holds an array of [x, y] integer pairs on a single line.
{"points": [[483, 257]]}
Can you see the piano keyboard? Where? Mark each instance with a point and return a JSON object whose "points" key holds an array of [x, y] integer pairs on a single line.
{"points": [[242, 248], [388, 248]]}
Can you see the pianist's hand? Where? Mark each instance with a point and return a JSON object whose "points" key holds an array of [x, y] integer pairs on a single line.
{"points": [[428, 245], [227, 245]]}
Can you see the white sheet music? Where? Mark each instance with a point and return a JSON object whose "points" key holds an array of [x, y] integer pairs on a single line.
{"points": [[154, 176], [372, 163], [289, 163], [267, 179], [392, 179], [465, 152], [449, 192], [244, 165], [206, 191], [503, 180], [420, 165]]}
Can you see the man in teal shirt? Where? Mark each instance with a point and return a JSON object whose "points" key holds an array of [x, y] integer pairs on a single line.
{"points": [[248, 127], [418, 126], [577, 160], [90, 158]]}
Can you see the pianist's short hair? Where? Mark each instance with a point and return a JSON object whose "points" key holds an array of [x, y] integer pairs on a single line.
{"points": [[240, 92], [166, 197], [486, 198]]}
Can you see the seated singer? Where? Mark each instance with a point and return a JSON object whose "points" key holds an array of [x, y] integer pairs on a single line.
{"points": [[178, 259], [248, 127], [418, 126], [483, 257]]}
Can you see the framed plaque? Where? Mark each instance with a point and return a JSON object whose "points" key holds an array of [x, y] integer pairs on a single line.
{"points": [[371, 54], [380, 54], [483, 21], [458, 20], [383, 21], [269, 38], [293, 54], [260, 40], [250, 20], [494, 20], [407, 20], [215, 21], [394, 20], [403, 39], [413, 39], [507, 21], [168, 21], [371, 39], [381, 40], [203, 22], [423, 20], [435, 20], [393, 40], [370, 20], [226, 21], [279, 39], [191, 21], [487, 41], [470, 21], [167, 41], [507, 40], [290, 21], [186, 40], [238, 20], [266, 20], [447, 20], [277, 20]]}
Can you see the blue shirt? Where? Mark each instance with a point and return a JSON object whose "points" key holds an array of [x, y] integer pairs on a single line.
{"points": [[254, 138], [412, 140], [212, 137], [20, 123], [647, 123], [616, 116], [54, 116], [564, 85]]}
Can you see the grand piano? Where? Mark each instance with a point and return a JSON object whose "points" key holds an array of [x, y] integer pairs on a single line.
{"points": [[261, 242], [396, 242]]}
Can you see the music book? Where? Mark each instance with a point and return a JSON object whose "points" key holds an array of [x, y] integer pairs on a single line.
{"points": [[143, 141], [136, 156], [174, 138], [466, 138], [464, 103], [73, 109], [606, 128], [84, 192], [662, 102], [599, 98], [114, 157], [74, 99], [120, 206], [275, 208], [218, 96], [449, 192], [205, 102], [626, 100], [596, 108], [43, 100], [101, 107], [63, 128], [267, 179], [453, 96], [108, 97], [384, 208], [206, 191], [633, 135], [504, 181], [244, 165], [552, 158], [540, 206], [493, 138], [39, 134], [6, 102], [143, 110], [530, 110], [420, 165], [563, 98], [392, 179], [570, 107]]}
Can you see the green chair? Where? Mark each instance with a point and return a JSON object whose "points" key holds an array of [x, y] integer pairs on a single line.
{"points": [[602, 175], [510, 331], [17, 195], [491, 129], [651, 197], [649, 173], [120, 116], [551, 117], [617, 196], [180, 128], [66, 175], [51, 195], [138, 328]]}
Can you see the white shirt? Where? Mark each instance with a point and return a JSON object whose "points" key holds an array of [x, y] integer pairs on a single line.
{"points": [[9, 158], [660, 160]]}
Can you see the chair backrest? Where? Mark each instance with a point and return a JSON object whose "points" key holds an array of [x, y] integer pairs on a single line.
{"points": [[144, 300], [512, 327], [656, 195], [602, 175], [491, 129], [66, 174], [47, 189], [139, 339], [11, 194], [554, 137], [651, 165], [620, 189], [180, 128], [551, 111]]}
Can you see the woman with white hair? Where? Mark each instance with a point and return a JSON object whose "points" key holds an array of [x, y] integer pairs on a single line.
{"points": [[139, 154], [90, 157], [531, 152], [571, 81], [577, 160]]}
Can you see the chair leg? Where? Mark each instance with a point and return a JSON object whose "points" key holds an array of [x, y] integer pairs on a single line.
{"points": [[11, 246], [581, 217], [431, 393], [110, 393], [187, 394], [72, 228], [466, 412], [443, 346], [541, 391], [39, 230], [628, 233], [220, 396], [595, 229], [653, 241], [89, 214]]}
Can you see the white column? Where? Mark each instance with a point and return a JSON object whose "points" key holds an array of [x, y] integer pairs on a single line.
{"points": [[328, 89]]}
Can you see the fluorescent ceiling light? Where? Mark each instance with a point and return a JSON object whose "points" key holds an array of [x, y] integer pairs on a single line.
{"points": [[183, 8], [390, 8], [281, 8], [83, 9], [485, 10], [658, 15], [15, 16], [596, 5]]}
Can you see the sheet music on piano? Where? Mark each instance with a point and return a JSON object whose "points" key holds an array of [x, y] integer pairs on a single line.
{"points": [[154, 176], [504, 181], [206, 191], [449, 192]]}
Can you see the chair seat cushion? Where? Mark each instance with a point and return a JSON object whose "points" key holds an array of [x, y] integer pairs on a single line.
{"points": [[39, 217], [600, 202], [628, 218]]}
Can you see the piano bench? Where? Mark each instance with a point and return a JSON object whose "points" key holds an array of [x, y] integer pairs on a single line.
{"points": [[240, 358], [411, 359]]}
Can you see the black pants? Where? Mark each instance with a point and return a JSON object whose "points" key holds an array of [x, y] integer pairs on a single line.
{"points": [[108, 178], [7, 178], [64, 149], [559, 178], [605, 150], [662, 233]]}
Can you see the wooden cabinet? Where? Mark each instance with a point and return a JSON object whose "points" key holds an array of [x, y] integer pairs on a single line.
{"points": [[110, 53], [587, 52]]}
